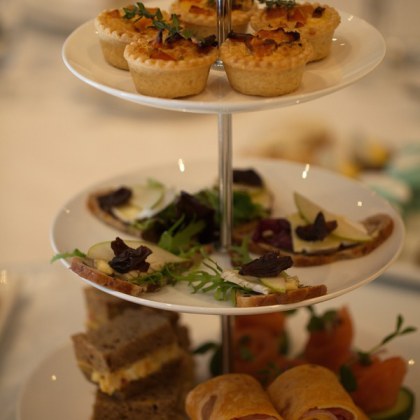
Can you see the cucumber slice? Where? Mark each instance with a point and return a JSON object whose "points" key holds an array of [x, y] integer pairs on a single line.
{"points": [[402, 410]]}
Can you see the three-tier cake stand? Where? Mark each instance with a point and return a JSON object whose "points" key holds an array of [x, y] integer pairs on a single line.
{"points": [[356, 50]]}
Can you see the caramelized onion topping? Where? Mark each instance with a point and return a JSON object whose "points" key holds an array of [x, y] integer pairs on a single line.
{"points": [[317, 231], [275, 232], [268, 265], [116, 198], [127, 259], [247, 177]]}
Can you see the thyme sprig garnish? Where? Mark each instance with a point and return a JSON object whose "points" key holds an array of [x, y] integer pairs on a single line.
{"points": [[173, 27], [365, 358], [287, 4], [211, 281], [139, 10]]}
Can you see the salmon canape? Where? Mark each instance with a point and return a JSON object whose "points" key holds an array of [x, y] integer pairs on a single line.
{"points": [[316, 23], [116, 28], [267, 63]]}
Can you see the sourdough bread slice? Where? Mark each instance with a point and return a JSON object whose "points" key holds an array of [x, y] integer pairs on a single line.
{"points": [[244, 300], [379, 226], [107, 217]]}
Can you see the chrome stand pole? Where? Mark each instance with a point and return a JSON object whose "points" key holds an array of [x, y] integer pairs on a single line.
{"points": [[225, 191]]}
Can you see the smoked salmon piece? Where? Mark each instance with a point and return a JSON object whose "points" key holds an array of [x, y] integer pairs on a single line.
{"points": [[331, 346], [384, 378]]}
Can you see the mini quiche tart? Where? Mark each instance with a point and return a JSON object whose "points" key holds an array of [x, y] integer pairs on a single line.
{"points": [[116, 28], [267, 63], [200, 16], [316, 23], [170, 67]]}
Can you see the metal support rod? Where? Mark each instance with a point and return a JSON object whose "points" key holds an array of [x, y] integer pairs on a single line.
{"points": [[225, 178], [223, 8], [226, 208]]}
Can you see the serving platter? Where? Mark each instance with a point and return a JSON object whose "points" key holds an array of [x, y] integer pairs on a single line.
{"points": [[74, 227], [357, 49]]}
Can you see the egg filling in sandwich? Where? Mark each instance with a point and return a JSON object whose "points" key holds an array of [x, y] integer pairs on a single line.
{"points": [[129, 354]]}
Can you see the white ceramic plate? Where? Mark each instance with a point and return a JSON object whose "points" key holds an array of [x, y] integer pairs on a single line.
{"points": [[357, 49], [74, 227]]}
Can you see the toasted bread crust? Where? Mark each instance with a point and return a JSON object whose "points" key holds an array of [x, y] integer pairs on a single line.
{"points": [[82, 269], [291, 296], [108, 218], [382, 224]]}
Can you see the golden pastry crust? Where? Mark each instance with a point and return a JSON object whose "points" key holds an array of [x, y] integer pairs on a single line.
{"points": [[169, 70], [115, 32], [315, 22], [268, 63], [200, 16]]}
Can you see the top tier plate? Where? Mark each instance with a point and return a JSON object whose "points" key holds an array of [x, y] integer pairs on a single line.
{"points": [[357, 49]]}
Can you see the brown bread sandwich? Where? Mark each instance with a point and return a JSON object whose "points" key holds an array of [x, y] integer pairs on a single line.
{"points": [[133, 352]]}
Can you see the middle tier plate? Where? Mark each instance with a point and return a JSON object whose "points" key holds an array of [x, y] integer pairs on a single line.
{"points": [[75, 227]]}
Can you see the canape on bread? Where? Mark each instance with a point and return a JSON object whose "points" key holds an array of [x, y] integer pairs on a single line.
{"points": [[316, 23], [260, 282], [131, 267], [173, 65], [200, 16], [266, 63], [314, 236], [116, 28], [153, 211]]}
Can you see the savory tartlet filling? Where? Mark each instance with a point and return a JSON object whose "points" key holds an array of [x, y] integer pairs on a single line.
{"points": [[266, 48], [315, 22], [200, 16], [116, 28], [174, 50]]}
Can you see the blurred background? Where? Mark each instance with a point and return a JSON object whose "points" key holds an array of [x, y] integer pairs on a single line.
{"points": [[58, 136]]}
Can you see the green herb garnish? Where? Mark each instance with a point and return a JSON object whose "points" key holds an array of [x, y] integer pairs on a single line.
{"points": [[324, 322], [65, 255], [347, 377], [139, 10], [204, 281]]}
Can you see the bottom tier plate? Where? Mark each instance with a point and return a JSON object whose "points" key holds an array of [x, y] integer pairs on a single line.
{"points": [[74, 227]]}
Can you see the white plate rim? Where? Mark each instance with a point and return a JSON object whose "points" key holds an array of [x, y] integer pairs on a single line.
{"points": [[198, 304]]}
